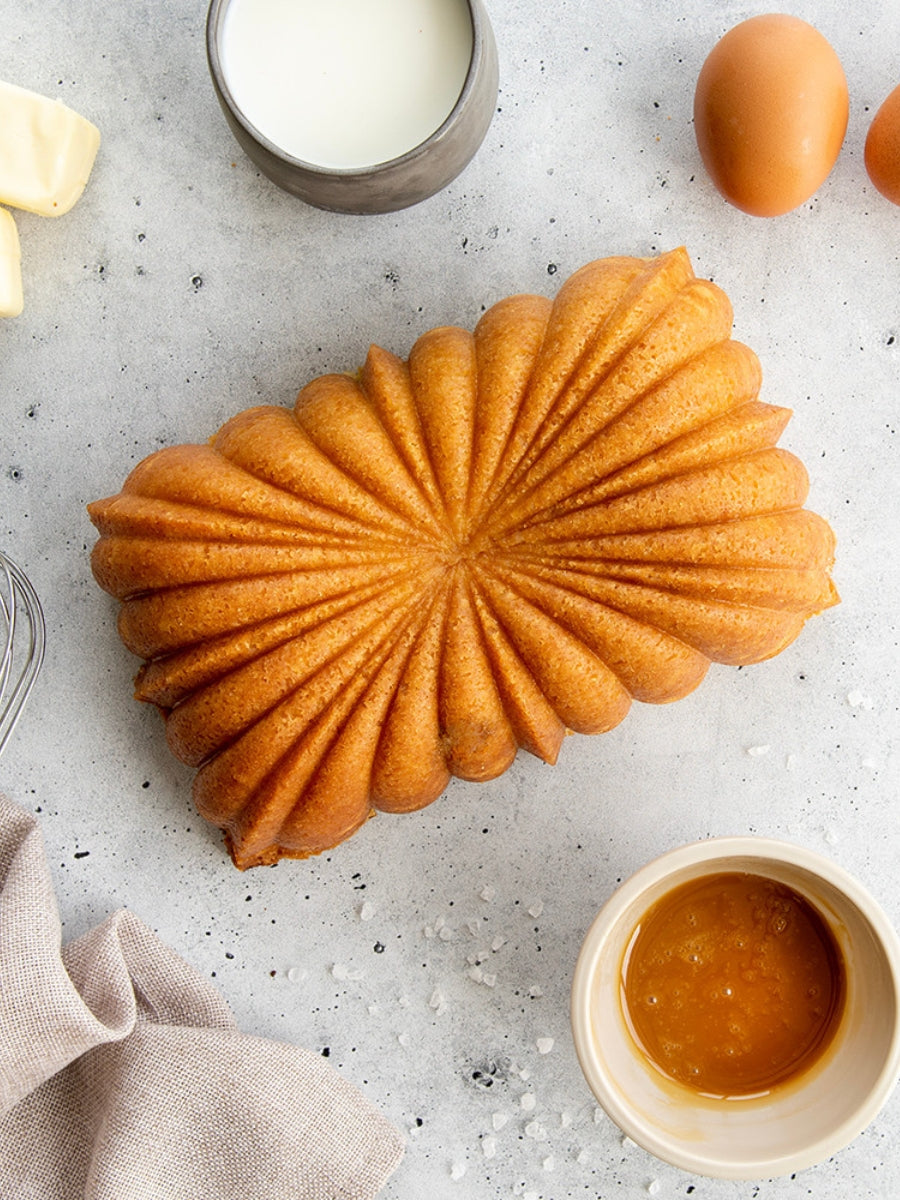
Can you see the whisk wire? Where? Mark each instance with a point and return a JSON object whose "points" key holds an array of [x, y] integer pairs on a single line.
{"points": [[22, 634]]}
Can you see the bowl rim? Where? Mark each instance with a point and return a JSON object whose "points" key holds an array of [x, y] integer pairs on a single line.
{"points": [[214, 20], [655, 872]]}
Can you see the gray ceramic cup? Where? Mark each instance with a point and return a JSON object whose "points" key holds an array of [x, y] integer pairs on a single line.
{"points": [[387, 186]]}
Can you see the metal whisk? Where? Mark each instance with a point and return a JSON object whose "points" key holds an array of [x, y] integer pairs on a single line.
{"points": [[21, 644]]}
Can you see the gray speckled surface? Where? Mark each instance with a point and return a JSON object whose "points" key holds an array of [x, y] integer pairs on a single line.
{"points": [[184, 287]]}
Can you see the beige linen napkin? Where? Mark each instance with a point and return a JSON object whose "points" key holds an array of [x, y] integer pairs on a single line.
{"points": [[124, 1077]]}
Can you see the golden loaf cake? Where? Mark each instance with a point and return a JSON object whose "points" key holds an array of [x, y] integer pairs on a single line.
{"points": [[427, 565]]}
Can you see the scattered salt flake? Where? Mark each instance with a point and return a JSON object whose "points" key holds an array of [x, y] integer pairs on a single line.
{"points": [[473, 927], [489, 1146], [870, 764], [339, 971], [758, 751], [403, 1001], [429, 931], [549, 1163], [535, 1130], [366, 910], [565, 1120], [627, 1142], [831, 837], [858, 699], [530, 1196], [599, 1116], [536, 909], [476, 973], [437, 1001], [445, 933], [372, 1010], [498, 1120], [535, 992], [582, 1157], [525, 1074], [498, 941], [653, 1187], [488, 893], [489, 979], [544, 1045], [295, 974], [528, 1101], [791, 761], [457, 1170], [403, 1039]]}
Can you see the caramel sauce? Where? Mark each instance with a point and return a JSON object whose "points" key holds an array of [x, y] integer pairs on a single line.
{"points": [[733, 984]]}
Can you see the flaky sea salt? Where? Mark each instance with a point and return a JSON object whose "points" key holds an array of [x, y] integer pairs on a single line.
{"points": [[653, 1187], [488, 893], [536, 909], [366, 910], [498, 1120], [528, 1100], [758, 751], [544, 1045], [437, 1002], [344, 973], [457, 1170], [582, 1157], [498, 941], [535, 1130], [489, 1147], [549, 1163], [535, 992], [295, 974], [858, 699]]}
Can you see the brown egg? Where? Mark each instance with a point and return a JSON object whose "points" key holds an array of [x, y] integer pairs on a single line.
{"points": [[883, 148], [770, 113]]}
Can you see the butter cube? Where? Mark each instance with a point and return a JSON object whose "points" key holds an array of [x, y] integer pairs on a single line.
{"points": [[46, 152], [11, 302]]}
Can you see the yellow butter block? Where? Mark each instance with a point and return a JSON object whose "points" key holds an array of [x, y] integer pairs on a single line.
{"points": [[11, 300], [47, 151]]}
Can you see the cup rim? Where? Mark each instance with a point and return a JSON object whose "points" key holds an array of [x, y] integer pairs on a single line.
{"points": [[624, 898], [215, 16]]}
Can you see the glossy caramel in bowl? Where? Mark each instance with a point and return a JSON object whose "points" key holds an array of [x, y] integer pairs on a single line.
{"points": [[733, 984]]}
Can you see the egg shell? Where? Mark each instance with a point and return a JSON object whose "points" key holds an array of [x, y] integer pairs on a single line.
{"points": [[883, 148], [770, 113]]}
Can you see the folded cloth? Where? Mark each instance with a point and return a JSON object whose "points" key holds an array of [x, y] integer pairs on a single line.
{"points": [[123, 1075]]}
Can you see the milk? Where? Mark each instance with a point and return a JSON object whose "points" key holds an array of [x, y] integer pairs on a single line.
{"points": [[346, 83]]}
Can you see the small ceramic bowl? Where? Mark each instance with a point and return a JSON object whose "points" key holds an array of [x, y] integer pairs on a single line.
{"points": [[799, 1123], [386, 186]]}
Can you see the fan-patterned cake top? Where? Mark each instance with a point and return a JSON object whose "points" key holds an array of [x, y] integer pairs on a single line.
{"points": [[426, 566]]}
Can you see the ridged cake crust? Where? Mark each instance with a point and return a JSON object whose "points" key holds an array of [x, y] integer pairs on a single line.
{"points": [[428, 565]]}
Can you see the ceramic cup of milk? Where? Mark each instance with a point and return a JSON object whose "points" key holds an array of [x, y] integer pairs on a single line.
{"points": [[736, 940], [355, 105]]}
